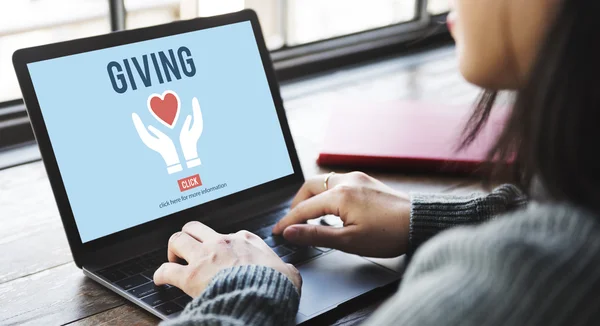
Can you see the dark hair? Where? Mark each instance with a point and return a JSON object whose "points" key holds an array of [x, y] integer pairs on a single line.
{"points": [[555, 120]]}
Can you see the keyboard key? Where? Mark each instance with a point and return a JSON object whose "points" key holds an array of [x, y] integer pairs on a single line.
{"points": [[156, 264], [324, 249], [271, 218], [161, 297], [264, 233], [294, 248], [175, 292], [274, 241], [149, 274], [112, 275], [281, 251], [132, 268], [132, 282], [169, 308], [146, 289], [301, 256], [183, 301], [156, 299], [157, 260], [121, 265], [147, 264], [155, 255]]}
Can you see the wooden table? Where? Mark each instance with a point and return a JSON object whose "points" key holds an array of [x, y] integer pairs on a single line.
{"points": [[40, 285]]}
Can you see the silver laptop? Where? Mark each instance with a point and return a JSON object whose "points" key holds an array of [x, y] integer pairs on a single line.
{"points": [[144, 130]]}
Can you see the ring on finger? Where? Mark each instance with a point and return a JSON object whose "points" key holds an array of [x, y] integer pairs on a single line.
{"points": [[326, 181]]}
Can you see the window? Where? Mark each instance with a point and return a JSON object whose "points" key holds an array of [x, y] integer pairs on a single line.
{"points": [[304, 35], [142, 13], [315, 20], [437, 7], [34, 22], [287, 23]]}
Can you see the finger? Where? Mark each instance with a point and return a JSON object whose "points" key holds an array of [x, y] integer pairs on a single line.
{"points": [[186, 123], [137, 122], [195, 106], [200, 231], [156, 132], [316, 235], [170, 273], [141, 129], [317, 206], [315, 186], [183, 246], [198, 122]]}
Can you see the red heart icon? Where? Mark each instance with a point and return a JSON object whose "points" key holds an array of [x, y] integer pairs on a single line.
{"points": [[165, 107]]}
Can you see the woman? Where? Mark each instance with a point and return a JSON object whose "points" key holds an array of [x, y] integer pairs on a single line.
{"points": [[525, 264]]}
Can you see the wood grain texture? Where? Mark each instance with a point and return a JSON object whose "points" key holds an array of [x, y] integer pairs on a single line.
{"points": [[32, 238], [123, 315], [55, 296], [39, 284]]}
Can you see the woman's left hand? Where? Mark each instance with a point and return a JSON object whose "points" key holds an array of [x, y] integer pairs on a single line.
{"points": [[207, 252]]}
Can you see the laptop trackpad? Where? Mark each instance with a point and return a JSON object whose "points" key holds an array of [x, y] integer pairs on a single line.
{"points": [[336, 278]]}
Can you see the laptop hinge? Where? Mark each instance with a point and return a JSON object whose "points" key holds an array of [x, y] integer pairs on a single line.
{"points": [[235, 214]]}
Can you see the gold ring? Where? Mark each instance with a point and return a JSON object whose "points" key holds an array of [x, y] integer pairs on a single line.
{"points": [[326, 182]]}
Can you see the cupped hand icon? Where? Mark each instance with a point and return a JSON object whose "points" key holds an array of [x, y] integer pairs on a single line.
{"points": [[189, 135], [158, 142]]}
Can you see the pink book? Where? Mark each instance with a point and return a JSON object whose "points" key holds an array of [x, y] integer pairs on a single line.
{"points": [[406, 136]]}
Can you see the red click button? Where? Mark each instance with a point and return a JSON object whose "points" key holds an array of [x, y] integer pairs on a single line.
{"points": [[189, 183]]}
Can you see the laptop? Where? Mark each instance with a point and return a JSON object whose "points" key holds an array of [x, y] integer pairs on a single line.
{"points": [[142, 131]]}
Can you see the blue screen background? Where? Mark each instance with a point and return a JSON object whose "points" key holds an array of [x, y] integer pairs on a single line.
{"points": [[113, 181]]}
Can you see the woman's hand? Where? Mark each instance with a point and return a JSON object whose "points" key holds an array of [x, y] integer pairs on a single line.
{"points": [[376, 217], [207, 252]]}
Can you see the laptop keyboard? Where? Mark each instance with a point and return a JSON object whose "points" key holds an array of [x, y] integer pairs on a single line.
{"points": [[135, 276]]}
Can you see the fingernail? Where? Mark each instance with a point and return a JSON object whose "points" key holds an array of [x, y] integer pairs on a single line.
{"points": [[291, 232]]}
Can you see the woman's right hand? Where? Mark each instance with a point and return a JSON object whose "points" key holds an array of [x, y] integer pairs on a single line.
{"points": [[376, 218]]}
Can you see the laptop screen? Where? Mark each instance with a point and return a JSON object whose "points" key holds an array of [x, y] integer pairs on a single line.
{"points": [[144, 130]]}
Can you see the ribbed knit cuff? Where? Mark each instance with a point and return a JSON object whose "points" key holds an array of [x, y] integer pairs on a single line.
{"points": [[250, 295], [433, 213]]}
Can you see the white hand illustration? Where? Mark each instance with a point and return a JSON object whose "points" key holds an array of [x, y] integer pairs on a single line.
{"points": [[189, 135], [160, 143]]}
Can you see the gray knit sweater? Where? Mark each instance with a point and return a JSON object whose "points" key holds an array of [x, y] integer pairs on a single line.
{"points": [[538, 265]]}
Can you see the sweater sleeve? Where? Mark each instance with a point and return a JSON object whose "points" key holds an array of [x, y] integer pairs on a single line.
{"points": [[433, 213], [537, 266], [243, 295]]}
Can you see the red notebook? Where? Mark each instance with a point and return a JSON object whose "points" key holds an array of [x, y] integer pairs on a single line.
{"points": [[406, 136]]}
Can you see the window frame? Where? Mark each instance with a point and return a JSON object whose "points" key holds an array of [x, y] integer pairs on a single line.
{"points": [[290, 62], [419, 22]]}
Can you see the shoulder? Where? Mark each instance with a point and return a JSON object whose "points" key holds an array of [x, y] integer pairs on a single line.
{"points": [[530, 264]]}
